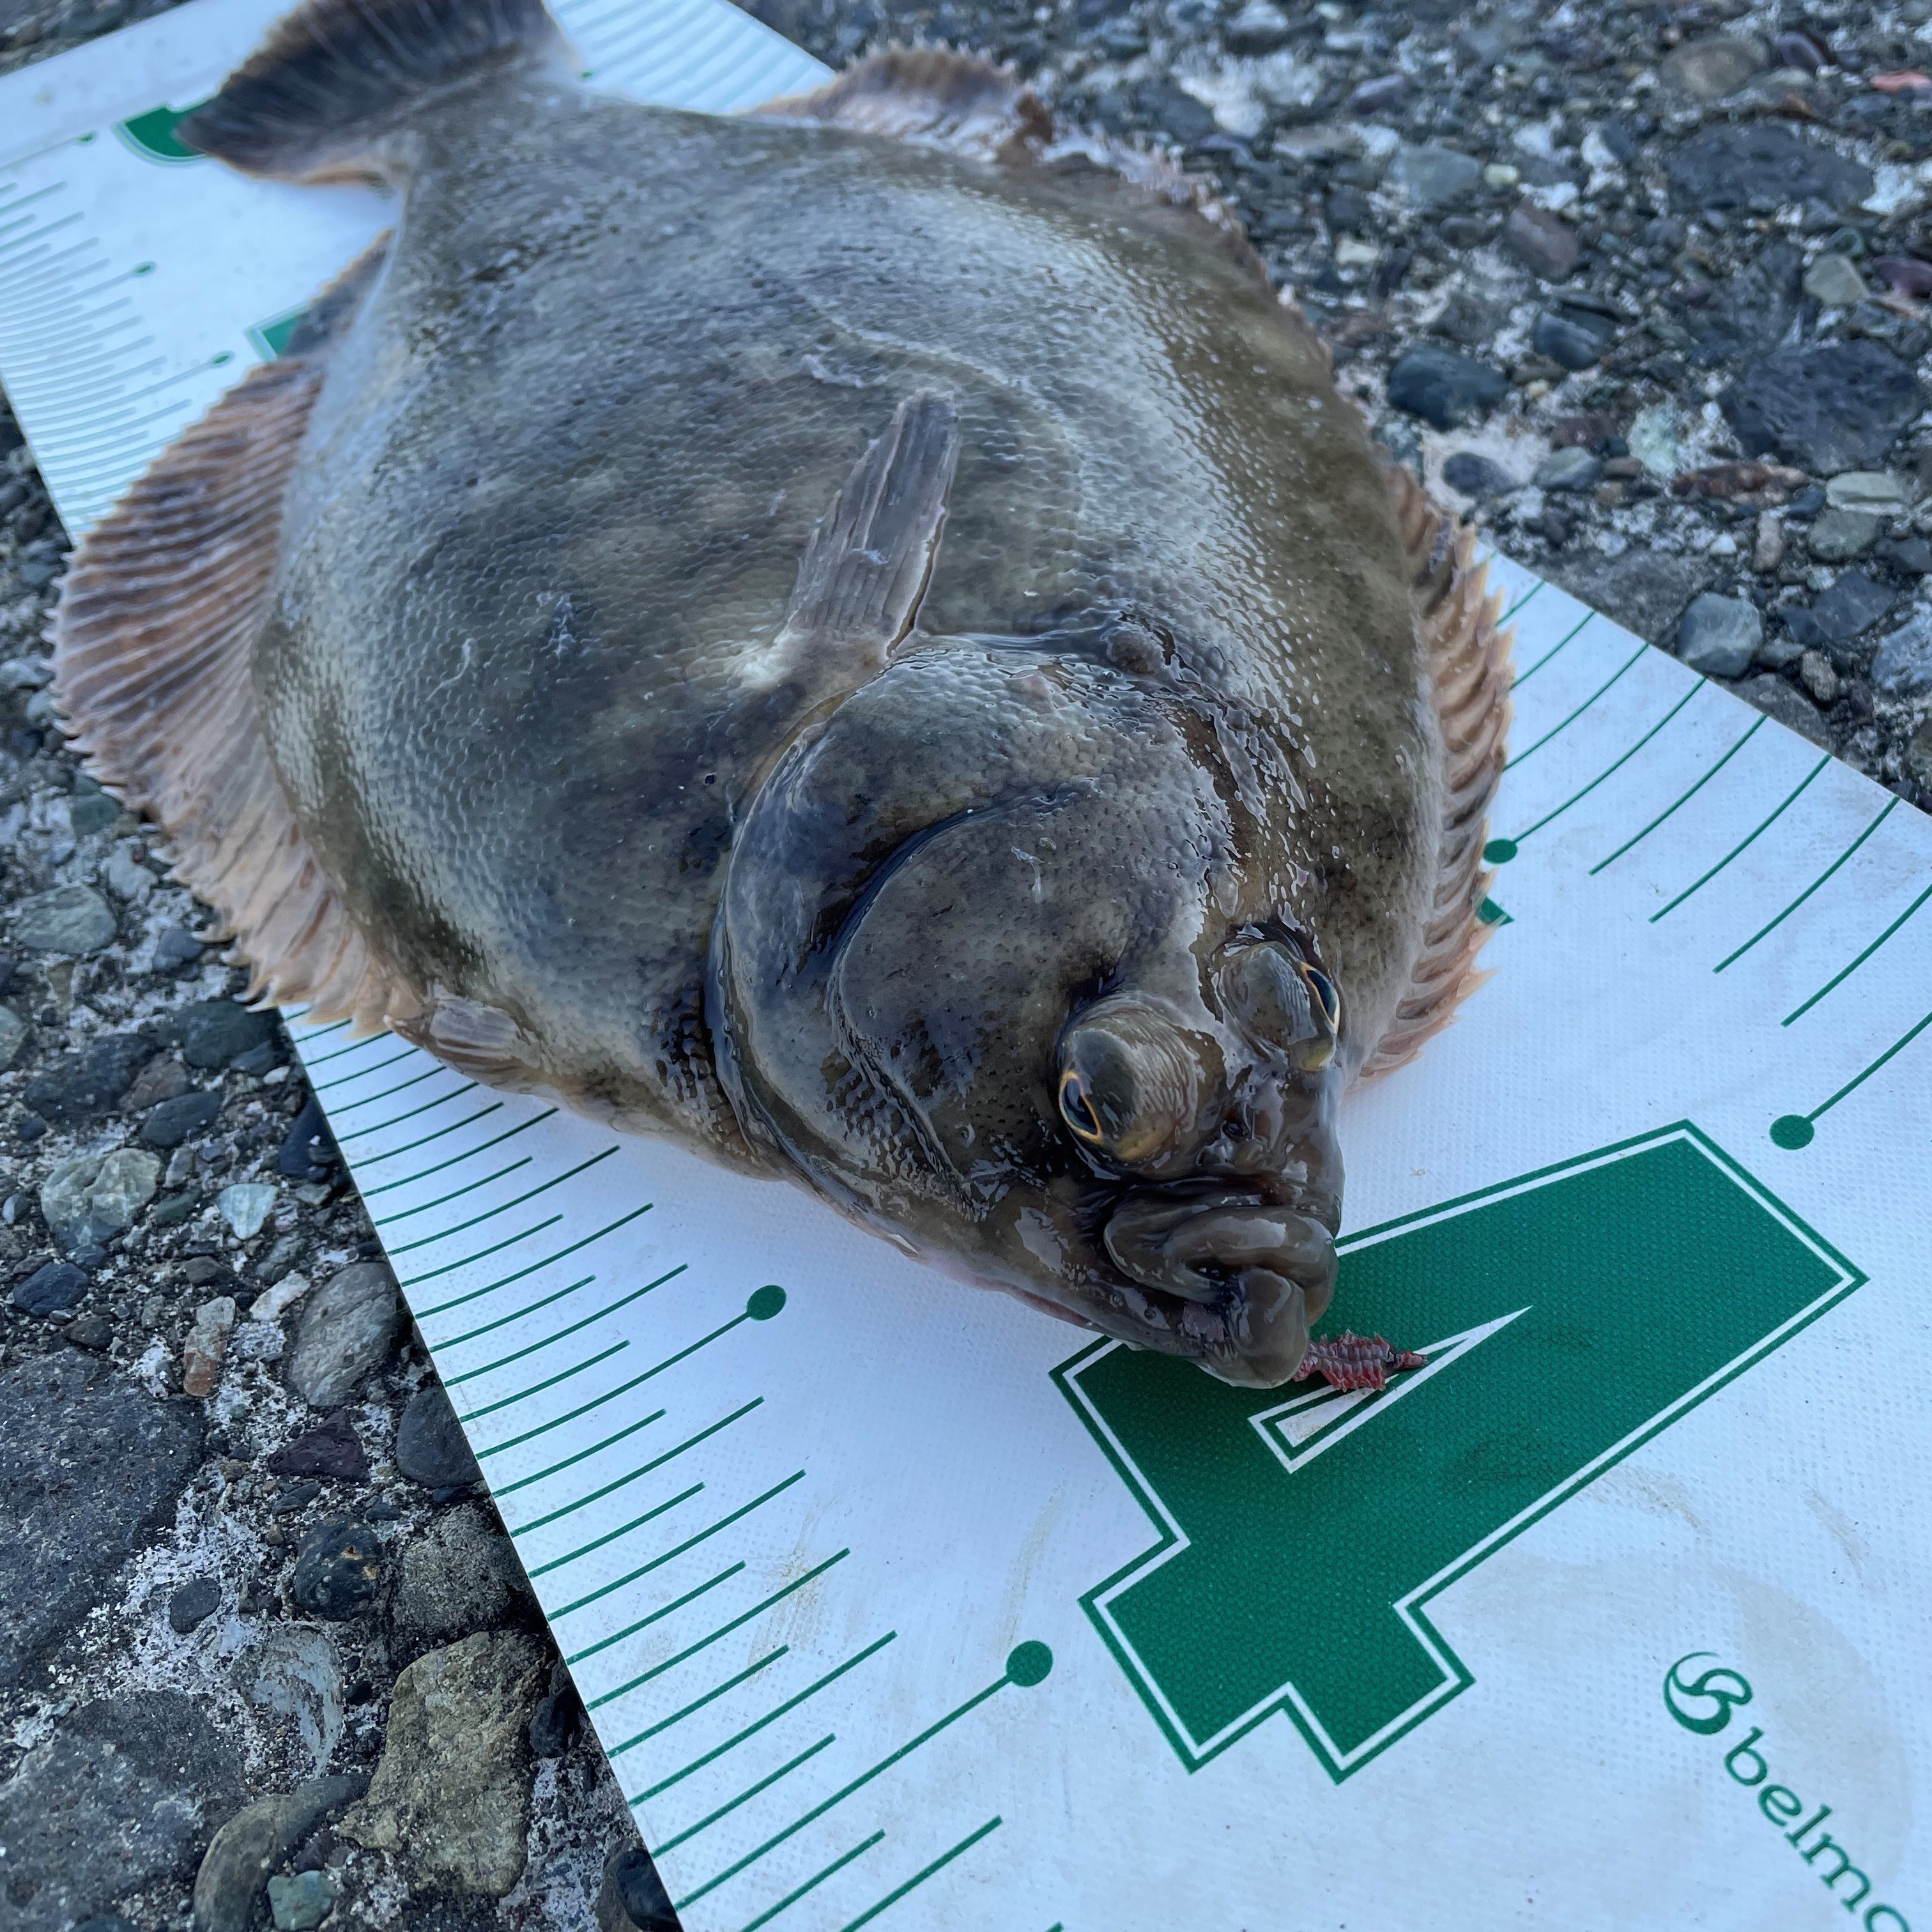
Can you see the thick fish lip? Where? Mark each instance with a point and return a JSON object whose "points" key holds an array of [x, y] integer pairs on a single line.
{"points": [[1251, 1274]]}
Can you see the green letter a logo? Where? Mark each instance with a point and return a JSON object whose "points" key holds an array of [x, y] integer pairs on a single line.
{"points": [[1573, 1313]]}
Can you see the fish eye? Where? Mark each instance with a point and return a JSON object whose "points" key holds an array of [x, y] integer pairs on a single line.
{"points": [[1287, 1001], [1077, 1110]]}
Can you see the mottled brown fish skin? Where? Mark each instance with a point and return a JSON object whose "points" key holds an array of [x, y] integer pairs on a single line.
{"points": [[1165, 702]]}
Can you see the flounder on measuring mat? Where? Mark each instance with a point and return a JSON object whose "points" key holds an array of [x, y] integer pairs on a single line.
{"points": [[861, 638]]}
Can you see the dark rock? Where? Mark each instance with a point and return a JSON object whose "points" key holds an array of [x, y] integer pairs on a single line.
{"points": [[309, 1146], [329, 1450], [90, 1080], [1175, 111], [1913, 555], [1903, 667], [1709, 68], [1571, 468], [122, 1795], [430, 1448], [258, 1060], [1382, 95], [1834, 406], [193, 1604], [296, 1496], [633, 1897], [1428, 176], [49, 1288], [1761, 166], [1570, 341], [1752, 311], [87, 1201], [1348, 211], [559, 1711], [214, 1033], [164, 1078], [338, 1570], [1770, 694], [90, 1466], [90, 811], [346, 1331], [1467, 319], [1469, 475], [1542, 241], [93, 1332], [175, 1120], [1443, 388], [255, 1840], [1851, 607]]}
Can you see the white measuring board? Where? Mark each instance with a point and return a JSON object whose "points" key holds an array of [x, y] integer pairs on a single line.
{"points": [[895, 1604]]}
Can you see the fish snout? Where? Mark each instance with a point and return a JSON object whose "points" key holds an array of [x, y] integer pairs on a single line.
{"points": [[1262, 1271]]}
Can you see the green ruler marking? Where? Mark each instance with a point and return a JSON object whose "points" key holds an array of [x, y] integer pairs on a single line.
{"points": [[612, 1535], [1763, 931], [1793, 1131], [1838, 978], [500, 1490], [919, 1878], [576, 1327], [1750, 838], [1635, 657], [1517, 683], [502, 1207], [1677, 804], [792, 1897]]}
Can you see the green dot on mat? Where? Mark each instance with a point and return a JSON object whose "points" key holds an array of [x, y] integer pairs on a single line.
{"points": [[766, 1302], [1499, 851], [1028, 1664], [1793, 1131]]}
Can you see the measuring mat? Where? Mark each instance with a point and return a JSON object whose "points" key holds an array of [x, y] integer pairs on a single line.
{"points": [[894, 1602]]}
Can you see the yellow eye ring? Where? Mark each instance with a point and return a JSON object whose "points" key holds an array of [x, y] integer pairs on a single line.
{"points": [[1077, 1110]]}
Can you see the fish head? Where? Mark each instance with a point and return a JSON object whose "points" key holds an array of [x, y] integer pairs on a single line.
{"points": [[999, 999]]}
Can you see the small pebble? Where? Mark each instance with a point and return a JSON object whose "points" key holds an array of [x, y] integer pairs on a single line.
{"points": [[193, 1604], [430, 1448], [1444, 387], [338, 1569], [299, 1903], [206, 1345], [1542, 241], [1768, 544], [49, 1288], [1837, 536], [1833, 282], [244, 1207], [1719, 636], [1815, 674], [1903, 667], [1570, 469], [70, 920]]}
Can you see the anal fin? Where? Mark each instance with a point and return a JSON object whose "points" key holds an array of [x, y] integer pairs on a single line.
{"points": [[154, 648], [1468, 656]]}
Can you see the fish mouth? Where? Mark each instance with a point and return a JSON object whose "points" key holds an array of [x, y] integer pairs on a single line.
{"points": [[1251, 1275]]}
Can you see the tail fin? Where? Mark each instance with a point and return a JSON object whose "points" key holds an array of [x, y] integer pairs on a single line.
{"points": [[313, 100]]}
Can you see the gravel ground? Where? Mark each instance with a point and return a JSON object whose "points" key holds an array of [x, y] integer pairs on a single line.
{"points": [[1638, 287]]}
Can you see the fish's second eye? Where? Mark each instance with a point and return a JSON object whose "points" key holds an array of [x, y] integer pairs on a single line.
{"points": [[1077, 1110], [1327, 993]]}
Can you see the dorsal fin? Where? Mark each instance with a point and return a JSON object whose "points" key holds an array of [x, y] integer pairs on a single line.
{"points": [[929, 94], [1469, 670], [314, 99], [154, 644]]}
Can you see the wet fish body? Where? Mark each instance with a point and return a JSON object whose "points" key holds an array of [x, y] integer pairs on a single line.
{"points": [[862, 638]]}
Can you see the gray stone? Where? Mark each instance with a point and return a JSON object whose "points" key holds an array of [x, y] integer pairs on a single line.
{"points": [[1902, 668], [163, 1077], [1849, 608], [49, 1288], [1443, 388], [1574, 468], [94, 1196], [1754, 308], [1574, 342], [430, 1446], [337, 1572], [1259, 27], [255, 1840], [72, 920], [244, 1207], [299, 1903], [175, 947], [12, 1034], [451, 1796], [125, 877], [346, 1331], [1542, 241], [1834, 282], [87, 1475], [175, 1120], [1876, 492], [461, 1574], [1653, 440], [1836, 536], [122, 1796], [1469, 475], [1710, 68], [1718, 637], [1788, 705], [1762, 165], [193, 1604], [1830, 407], [1430, 176]]}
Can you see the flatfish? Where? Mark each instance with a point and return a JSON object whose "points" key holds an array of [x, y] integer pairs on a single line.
{"points": [[861, 638]]}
